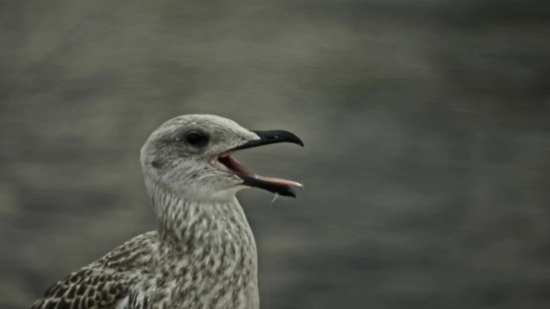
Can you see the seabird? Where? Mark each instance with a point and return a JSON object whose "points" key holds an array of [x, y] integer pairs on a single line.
{"points": [[203, 254]]}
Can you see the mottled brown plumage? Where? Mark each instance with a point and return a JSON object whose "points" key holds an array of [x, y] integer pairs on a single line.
{"points": [[203, 254]]}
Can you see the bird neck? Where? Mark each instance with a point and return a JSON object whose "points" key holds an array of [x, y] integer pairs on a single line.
{"points": [[186, 224]]}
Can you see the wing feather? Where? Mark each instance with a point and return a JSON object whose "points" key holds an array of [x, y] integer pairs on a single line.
{"points": [[86, 289], [104, 283]]}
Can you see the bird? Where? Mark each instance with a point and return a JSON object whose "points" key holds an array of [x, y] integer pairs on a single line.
{"points": [[203, 253]]}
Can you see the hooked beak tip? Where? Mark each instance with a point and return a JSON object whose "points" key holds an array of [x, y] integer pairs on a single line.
{"points": [[272, 137]]}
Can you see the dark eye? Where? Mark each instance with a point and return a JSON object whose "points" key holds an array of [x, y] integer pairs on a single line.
{"points": [[196, 139]]}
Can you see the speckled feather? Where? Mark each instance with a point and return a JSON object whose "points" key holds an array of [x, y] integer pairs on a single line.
{"points": [[105, 282], [210, 263]]}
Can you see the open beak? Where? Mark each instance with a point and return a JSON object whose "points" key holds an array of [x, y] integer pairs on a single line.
{"points": [[227, 163]]}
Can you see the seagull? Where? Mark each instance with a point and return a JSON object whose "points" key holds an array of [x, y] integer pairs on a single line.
{"points": [[203, 253]]}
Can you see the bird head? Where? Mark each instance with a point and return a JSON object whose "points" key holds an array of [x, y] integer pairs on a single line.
{"points": [[191, 156]]}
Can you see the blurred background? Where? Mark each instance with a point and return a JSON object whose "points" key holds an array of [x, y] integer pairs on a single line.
{"points": [[426, 123]]}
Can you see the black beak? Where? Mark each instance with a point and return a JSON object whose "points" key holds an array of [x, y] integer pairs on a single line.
{"points": [[281, 187], [272, 137]]}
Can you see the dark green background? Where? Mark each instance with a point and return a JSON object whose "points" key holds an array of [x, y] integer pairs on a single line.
{"points": [[426, 123]]}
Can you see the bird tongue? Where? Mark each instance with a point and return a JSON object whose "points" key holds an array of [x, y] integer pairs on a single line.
{"points": [[233, 165]]}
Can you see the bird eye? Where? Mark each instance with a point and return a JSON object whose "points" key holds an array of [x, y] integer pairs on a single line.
{"points": [[196, 139]]}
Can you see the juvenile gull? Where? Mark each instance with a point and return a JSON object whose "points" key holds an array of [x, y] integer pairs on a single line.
{"points": [[203, 254]]}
